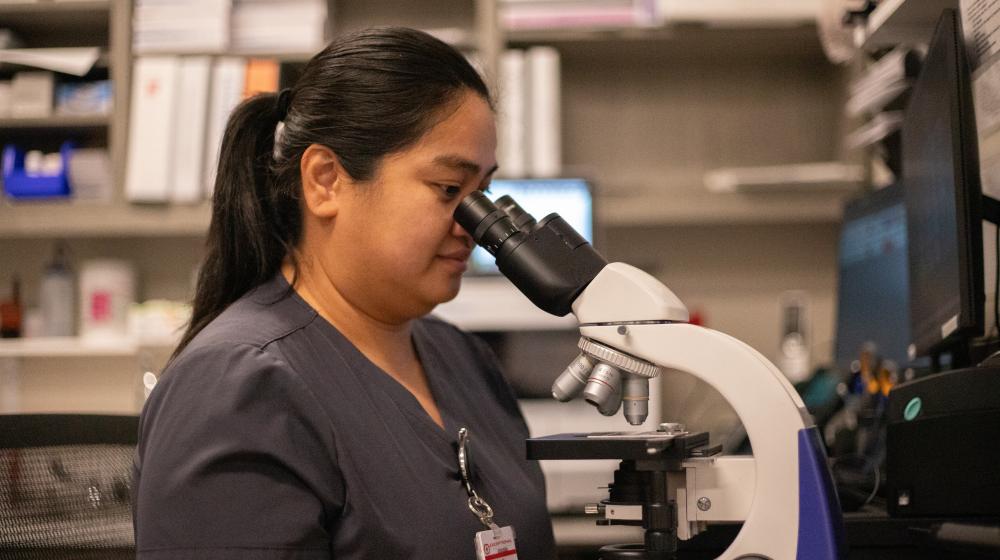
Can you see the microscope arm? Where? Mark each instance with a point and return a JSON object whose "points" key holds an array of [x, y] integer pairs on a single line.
{"points": [[633, 324], [794, 512]]}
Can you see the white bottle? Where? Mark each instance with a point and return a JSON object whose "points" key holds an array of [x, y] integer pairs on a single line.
{"points": [[793, 354], [57, 296], [107, 291]]}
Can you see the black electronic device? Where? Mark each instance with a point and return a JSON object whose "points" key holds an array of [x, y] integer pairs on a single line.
{"points": [[873, 290], [944, 202], [943, 454]]}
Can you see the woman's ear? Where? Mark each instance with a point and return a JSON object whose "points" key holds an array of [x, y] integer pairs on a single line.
{"points": [[324, 181]]}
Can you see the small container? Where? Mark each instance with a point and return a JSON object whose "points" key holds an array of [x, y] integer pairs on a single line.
{"points": [[27, 176], [11, 312], [57, 296], [107, 291]]}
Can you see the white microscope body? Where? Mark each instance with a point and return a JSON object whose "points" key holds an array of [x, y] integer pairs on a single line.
{"points": [[627, 309], [632, 328]]}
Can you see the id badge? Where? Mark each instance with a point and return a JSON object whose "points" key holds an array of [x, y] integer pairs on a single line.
{"points": [[496, 544]]}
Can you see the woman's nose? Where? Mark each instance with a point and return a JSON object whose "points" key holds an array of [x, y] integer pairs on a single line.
{"points": [[459, 231]]}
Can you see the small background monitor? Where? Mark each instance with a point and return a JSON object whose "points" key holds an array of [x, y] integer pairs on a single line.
{"points": [[570, 198], [873, 290]]}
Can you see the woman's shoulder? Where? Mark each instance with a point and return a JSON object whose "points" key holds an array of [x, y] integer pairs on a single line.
{"points": [[238, 344], [267, 313]]}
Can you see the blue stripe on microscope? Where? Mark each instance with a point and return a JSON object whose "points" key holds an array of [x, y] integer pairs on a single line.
{"points": [[821, 525]]}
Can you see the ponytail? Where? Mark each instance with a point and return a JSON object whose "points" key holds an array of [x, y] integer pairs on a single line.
{"points": [[254, 225], [366, 95]]}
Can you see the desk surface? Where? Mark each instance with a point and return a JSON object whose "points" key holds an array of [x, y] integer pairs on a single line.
{"points": [[871, 534]]}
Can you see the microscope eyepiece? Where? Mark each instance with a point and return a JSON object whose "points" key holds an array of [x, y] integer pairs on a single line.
{"points": [[522, 220], [489, 226], [548, 261]]}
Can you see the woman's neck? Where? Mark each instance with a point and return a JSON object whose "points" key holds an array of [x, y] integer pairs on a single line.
{"points": [[388, 345]]}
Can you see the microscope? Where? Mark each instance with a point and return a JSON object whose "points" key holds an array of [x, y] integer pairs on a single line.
{"points": [[672, 482]]}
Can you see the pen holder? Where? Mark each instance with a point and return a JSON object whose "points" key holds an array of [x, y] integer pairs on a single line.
{"points": [[18, 184]]}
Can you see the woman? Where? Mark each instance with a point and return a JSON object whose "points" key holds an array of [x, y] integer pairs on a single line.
{"points": [[311, 409]]}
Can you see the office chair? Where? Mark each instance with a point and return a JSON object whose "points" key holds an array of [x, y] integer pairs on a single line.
{"points": [[65, 486]]}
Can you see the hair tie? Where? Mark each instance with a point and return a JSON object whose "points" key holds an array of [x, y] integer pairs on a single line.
{"points": [[283, 103]]}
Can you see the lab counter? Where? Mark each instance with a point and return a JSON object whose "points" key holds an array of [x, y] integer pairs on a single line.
{"points": [[871, 535]]}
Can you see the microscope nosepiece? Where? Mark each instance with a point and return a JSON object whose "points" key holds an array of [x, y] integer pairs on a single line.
{"points": [[572, 380], [604, 389], [635, 399]]}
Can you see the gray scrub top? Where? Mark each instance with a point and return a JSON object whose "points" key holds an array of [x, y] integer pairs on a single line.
{"points": [[272, 436]]}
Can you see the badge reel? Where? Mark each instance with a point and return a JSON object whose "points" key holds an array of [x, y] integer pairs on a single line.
{"points": [[496, 542]]}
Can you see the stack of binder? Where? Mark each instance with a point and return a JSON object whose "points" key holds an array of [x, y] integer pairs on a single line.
{"points": [[180, 106], [279, 26], [180, 26], [529, 122]]}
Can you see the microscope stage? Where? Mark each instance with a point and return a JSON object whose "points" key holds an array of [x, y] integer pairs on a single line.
{"points": [[620, 445]]}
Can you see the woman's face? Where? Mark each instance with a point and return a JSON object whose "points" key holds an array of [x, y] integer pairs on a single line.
{"points": [[404, 252]]}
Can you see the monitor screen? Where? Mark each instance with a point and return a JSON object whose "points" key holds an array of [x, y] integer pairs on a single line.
{"points": [[943, 198], [873, 292], [570, 198]]}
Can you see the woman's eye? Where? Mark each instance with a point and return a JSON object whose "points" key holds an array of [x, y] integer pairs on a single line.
{"points": [[451, 190]]}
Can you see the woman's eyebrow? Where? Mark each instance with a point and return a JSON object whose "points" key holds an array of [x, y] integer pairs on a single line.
{"points": [[458, 162]]}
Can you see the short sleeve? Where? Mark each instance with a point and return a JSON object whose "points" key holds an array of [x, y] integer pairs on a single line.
{"points": [[236, 459]]}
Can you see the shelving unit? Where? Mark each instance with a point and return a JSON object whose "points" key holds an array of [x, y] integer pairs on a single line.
{"points": [[63, 122], [642, 111], [61, 219], [73, 347]]}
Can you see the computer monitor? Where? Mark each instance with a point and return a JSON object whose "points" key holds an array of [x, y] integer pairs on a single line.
{"points": [[943, 201], [872, 288], [570, 198]]}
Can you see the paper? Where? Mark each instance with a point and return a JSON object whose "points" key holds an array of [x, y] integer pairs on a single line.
{"points": [[986, 96], [981, 24], [76, 61]]}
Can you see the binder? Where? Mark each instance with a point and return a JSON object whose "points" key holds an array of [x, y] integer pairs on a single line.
{"points": [[512, 115], [189, 130], [154, 87], [261, 77], [228, 82], [545, 127]]}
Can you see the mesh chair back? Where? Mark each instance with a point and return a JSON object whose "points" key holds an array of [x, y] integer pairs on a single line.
{"points": [[65, 486]]}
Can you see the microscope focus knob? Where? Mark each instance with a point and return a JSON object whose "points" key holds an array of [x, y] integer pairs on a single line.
{"points": [[618, 359]]}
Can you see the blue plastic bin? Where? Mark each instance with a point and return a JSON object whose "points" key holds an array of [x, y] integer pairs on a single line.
{"points": [[17, 184]]}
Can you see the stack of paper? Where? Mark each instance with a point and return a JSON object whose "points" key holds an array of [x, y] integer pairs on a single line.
{"points": [[279, 26], [180, 26], [530, 126], [551, 14]]}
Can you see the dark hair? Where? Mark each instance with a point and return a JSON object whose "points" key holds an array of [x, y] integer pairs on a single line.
{"points": [[366, 95]]}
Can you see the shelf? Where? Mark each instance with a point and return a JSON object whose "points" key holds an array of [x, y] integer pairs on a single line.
{"points": [[897, 22], [289, 57], [707, 209], [53, 219], [74, 347], [682, 40], [56, 121], [58, 23], [50, 8]]}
